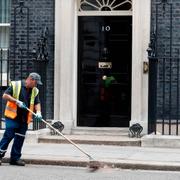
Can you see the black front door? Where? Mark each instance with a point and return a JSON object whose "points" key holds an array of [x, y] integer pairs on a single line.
{"points": [[104, 71]]}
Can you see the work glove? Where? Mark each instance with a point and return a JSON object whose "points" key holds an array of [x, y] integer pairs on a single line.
{"points": [[20, 104], [38, 116]]}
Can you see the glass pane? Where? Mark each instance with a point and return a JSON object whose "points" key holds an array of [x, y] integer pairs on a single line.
{"points": [[5, 11], [3, 60], [105, 5], [4, 37], [4, 45]]}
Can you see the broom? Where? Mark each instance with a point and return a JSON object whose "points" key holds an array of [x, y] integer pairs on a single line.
{"points": [[93, 164]]}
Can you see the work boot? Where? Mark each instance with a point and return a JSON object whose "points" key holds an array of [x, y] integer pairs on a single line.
{"points": [[17, 163]]}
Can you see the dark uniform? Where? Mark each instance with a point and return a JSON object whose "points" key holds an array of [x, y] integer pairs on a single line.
{"points": [[16, 128]]}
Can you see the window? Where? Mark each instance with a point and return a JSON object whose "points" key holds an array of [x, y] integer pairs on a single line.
{"points": [[5, 6], [105, 5], [4, 11], [4, 23]]}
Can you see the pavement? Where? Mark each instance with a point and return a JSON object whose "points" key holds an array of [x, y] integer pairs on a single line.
{"points": [[128, 155]]}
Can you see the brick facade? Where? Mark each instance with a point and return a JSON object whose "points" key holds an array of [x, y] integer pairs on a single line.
{"points": [[41, 15], [165, 22], [24, 38]]}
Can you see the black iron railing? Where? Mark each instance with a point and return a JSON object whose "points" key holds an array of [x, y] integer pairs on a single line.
{"points": [[164, 68], [164, 92], [8, 71]]}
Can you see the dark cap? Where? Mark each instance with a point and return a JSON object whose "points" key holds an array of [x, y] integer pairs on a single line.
{"points": [[36, 77]]}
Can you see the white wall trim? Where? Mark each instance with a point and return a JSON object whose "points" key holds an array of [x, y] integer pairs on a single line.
{"points": [[75, 75], [64, 62], [5, 24], [141, 36], [65, 74], [105, 13]]}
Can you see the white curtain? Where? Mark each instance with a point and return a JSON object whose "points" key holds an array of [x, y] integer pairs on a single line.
{"points": [[5, 11]]}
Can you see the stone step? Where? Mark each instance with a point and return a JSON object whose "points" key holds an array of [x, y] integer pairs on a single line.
{"points": [[163, 141], [91, 139], [102, 131]]}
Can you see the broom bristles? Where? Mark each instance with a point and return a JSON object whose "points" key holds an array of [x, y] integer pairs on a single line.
{"points": [[94, 165]]}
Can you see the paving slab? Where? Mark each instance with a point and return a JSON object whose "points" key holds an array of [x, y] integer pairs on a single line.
{"points": [[128, 157]]}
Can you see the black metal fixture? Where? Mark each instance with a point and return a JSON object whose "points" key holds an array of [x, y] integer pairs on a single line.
{"points": [[41, 53], [164, 1], [135, 130], [21, 7], [21, 4], [152, 46]]}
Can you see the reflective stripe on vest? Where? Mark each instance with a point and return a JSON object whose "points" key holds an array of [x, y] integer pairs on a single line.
{"points": [[34, 93], [16, 85], [11, 107]]}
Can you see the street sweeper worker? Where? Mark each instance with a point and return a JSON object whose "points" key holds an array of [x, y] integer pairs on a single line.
{"points": [[19, 96]]}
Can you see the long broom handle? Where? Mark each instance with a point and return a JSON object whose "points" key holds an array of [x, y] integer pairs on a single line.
{"points": [[62, 135]]}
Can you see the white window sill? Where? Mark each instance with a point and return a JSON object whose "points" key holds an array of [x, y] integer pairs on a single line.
{"points": [[5, 24]]}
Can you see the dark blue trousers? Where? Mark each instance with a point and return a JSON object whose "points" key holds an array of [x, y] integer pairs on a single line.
{"points": [[14, 130]]}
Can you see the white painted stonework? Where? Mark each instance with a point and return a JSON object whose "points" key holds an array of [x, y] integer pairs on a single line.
{"points": [[141, 39], [65, 74]]}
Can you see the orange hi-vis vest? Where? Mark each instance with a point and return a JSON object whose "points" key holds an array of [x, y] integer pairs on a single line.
{"points": [[11, 107]]}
